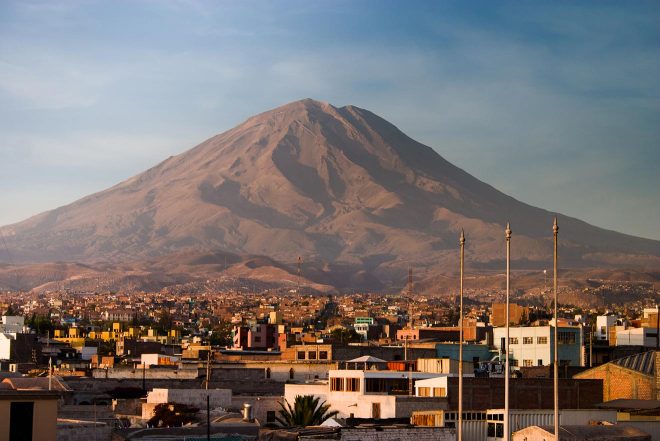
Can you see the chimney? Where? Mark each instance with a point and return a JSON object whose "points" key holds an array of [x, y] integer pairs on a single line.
{"points": [[247, 413]]}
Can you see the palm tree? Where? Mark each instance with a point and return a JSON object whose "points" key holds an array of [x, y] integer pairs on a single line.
{"points": [[306, 411]]}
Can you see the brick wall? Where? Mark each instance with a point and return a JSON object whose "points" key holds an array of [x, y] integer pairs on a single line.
{"points": [[620, 382]]}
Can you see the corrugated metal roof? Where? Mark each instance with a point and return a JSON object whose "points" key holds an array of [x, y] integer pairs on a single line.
{"points": [[644, 362]]}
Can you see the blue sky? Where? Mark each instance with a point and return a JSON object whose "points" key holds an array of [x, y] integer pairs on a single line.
{"points": [[554, 103]]}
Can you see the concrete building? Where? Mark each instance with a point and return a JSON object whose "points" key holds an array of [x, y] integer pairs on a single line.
{"points": [[604, 323], [369, 394], [191, 397], [488, 424], [260, 337], [13, 323], [637, 337], [534, 345]]}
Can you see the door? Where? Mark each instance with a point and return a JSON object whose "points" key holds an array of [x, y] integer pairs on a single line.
{"points": [[375, 410]]}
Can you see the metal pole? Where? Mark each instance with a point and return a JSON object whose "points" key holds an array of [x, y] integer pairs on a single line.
{"points": [[208, 418], [555, 230], [507, 367], [657, 327], [144, 375], [460, 343]]}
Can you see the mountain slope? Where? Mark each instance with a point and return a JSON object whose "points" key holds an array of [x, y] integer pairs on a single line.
{"points": [[338, 185]]}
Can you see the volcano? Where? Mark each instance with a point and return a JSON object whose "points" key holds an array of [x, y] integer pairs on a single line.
{"points": [[339, 186]]}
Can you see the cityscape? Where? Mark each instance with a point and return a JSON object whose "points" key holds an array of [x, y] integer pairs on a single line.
{"points": [[469, 252]]}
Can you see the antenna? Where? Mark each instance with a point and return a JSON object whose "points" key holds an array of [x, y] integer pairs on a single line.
{"points": [[299, 274]]}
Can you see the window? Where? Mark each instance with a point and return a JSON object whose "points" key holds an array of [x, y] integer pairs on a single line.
{"points": [[311, 355], [542, 340], [352, 385], [323, 355], [514, 362], [513, 340], [491, 430], [566, 338], [528, 363], [267, 372], [424, 391], [291, 372], [257, 339], [270, 416], [528, 340], [499, 430], [439, 392], [540, 362], [337, 384], [301, 355]]}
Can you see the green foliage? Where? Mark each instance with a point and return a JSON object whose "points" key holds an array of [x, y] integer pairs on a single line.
{"points": [[41, 324], [172, 415], [222, 334], [344, 335], [306, 411]]}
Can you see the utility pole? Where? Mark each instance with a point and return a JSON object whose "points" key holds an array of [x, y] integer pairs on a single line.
{"points": [[657, 327], [144, 377], [507, 235], [208, 368], [555, 230], [208, 418], [460, 341], [50, 373]]}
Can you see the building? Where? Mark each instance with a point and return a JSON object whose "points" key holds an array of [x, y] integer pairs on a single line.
{"points": [[604, 432], [646, 337], [28, 414], [517, 314], [260, 337], [534, 345], [489, 424], [377, 394], [13, 323], [633, 377], [604, 323]]}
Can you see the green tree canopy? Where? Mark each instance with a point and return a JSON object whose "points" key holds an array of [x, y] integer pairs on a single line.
{"points": [[306, 411]]}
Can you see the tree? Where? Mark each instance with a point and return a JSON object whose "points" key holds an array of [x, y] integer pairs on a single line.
{"points": [[306, 411], [344, 335], [172, 415]]}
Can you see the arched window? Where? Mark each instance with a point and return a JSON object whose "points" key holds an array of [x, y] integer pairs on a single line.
{"points": [[291, 372], [267, 372]]}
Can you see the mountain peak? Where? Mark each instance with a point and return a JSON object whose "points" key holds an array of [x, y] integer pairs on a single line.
{"points": [[332, 184]]}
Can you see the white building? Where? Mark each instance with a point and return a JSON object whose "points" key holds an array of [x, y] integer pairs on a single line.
{"points": [[13, 323], [534, 345], [6, 340], [372, 393], [604, 323], [636, 337]]}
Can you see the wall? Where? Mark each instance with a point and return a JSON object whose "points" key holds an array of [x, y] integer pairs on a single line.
{"points": [[620, 382], [397, 434], [525, 393], [83, 431]]}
